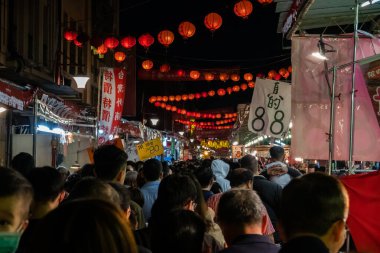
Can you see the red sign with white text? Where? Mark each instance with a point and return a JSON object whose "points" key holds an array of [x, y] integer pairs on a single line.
{"points": [[111, 103]]}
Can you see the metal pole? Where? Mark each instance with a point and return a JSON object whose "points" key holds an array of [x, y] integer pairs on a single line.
{"points": [[352, 119], [35, 109], [98, 107], [332, 121]]}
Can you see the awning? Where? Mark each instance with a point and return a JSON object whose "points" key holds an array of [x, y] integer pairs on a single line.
{"points": [[15, 96]]}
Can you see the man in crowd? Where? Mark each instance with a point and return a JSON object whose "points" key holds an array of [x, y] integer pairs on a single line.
{"points": [[269, 192], [240, 218], [152, 172], [314, 209], [206, 180]]}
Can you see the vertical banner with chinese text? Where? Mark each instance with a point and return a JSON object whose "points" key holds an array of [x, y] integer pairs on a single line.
{"points": [[270, 109], [111, 103]]}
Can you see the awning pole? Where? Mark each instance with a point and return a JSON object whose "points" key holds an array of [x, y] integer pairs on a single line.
{"points": [[332, 121], [353, 91], [35, 109]]}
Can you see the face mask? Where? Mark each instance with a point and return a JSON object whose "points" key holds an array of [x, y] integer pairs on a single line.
{"points": [[9, 242]]}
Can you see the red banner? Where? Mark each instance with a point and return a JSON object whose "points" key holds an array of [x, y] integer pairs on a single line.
{"points": [[14, 97], [112, 101]]}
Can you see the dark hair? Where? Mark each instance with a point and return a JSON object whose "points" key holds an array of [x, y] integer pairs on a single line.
{"points": [[47, 183], [131, 178], [23, 163], [136, 196], [66, 228], [109, 160], [182, 232], [250, 163], [133, 164], [165, 169], [276, 152], [139, 165], [94, 188], [240, 206], [124, 196], [311, 204], [12, 183], [173, 193], [64, 171], [240, 176], [87, 170], [206, 163], [204, 176], [152, 169]]}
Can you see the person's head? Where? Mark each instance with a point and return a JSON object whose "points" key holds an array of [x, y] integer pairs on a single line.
{"points": [[48, 185], [241, 178], [315, 204], [240, 211], [311, 168], [182, 232], [136, 195], [86, 226], [64, 171], [110, 163], [131, 178], [93, 188], [166, 171], [88, 170], [205, 176], [250, 163], [23, 163], [277, 153], [16, 195], [152, 170], [124, 196]]}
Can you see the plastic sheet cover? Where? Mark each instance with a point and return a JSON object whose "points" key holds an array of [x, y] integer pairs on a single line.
{"points": [[311, 101]]}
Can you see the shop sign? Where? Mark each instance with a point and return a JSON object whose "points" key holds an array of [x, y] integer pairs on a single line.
{"points": [[14, 97], [56, 106], [270, 108], [237, 151], [292, 15], [150, 149], [112, 101]]}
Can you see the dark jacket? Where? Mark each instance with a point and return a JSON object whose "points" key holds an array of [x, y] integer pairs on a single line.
{"points": [[304, 244], [251, 243], [270, 195]]}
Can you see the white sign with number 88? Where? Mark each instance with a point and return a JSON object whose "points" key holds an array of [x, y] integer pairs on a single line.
{"points": [[270, 108]]}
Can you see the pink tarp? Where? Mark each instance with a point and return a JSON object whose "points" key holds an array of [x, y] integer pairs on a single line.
{"points": [[311, 103]]}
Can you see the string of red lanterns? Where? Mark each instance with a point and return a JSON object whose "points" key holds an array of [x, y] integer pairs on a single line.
{"points": [[208, 123]]}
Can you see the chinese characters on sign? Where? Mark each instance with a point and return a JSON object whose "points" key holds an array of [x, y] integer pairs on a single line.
{"points": [[112, 100], [270, 108], [150, 149]]}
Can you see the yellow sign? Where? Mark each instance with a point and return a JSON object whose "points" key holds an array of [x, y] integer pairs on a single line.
{"points": [[150, 149]]}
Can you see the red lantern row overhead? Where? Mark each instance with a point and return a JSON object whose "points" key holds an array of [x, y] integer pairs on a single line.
{"points": [[70, 35], [235, 77], [102, 49], [265, 2], [186, 29], [78, 43], [206, 123], [146, 40], [213, 21], [147, 64], [111, 42], [120, 56], [165, 38], [209, 76], [128, 42], [248, 77], [223, 77], [194, 74], [164, 68], [243, 9]]}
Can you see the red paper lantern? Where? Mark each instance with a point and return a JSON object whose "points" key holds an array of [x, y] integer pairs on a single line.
{"points": [[102, 49], [277, 77], [180, 73], [128, 42], [272, 74], [111, 42], [188, 114], [243, 9], [191, 96], [194, 74], [165, 98], [260, 75], [165, 37], [290, 69], [174, 108], [178, 98], [282, 71], [265, 2], [186, 29], [223, 77], [286, 75], [235, 77], [236, 88], [221, 92], [229, 90], [164, 68], [243, 86], [146, 40], [248, 77], [198, 115], [211, 93], [70, 35], [77, 43], [168, 107], [197, 96], [179, 110], [183, 111], [159, 98], [185, 97], [204, 94], [218, 116], [120, 56], [251, 84], [147, 64], [152, 99], [213, 21], [209, 76], [157, 104], [171, 98], [163, 105]]}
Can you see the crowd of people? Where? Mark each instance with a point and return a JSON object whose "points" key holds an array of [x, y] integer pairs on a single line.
{"points": [[197, 206]]}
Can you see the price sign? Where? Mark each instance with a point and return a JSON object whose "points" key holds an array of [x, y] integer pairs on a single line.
{"points": [[150, 149], [269, 112]]}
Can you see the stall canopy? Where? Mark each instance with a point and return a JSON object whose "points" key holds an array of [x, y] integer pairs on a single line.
{"points": [[297, 15]]}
